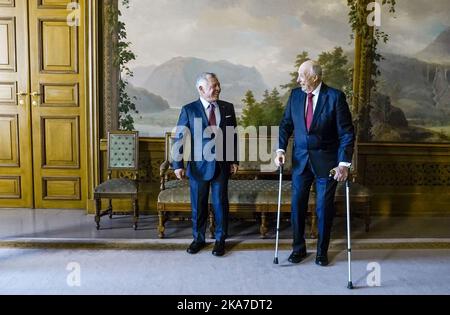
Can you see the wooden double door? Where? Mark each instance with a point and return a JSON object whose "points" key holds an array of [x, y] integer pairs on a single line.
{"points": [[43, 130]]}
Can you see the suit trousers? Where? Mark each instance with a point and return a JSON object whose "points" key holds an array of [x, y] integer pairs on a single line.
{"points": [[200, 190], [325, 210]]}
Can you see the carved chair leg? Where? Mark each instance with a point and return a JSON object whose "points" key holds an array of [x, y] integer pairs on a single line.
{"points": [[263, 229], [110, 209], [161, 224], [135, 213], [212, 223], [98, 205]]}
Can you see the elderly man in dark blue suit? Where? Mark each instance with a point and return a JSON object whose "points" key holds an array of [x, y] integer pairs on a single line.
{"points": [[211, 125], [320, 119]]}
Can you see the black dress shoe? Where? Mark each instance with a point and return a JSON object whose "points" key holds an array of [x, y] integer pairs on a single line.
{"points": [[322, 260], [195, 247], [297, 257], [219, 248]]}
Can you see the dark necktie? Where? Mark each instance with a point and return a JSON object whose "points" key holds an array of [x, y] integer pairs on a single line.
{"points": [[212, 115], [309, 111]]}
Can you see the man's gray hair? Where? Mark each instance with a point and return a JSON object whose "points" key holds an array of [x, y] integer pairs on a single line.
{"points": [[316, 69], [202, 79]]}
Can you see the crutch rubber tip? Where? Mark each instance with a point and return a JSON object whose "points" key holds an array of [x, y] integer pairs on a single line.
{"points": [[350, 285], [275, 260]]}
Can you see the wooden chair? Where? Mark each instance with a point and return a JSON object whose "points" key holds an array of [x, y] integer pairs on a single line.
{"points": [[122, 158]]}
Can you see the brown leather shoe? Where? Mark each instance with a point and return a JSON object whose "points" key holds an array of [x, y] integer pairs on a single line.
{"points": [[195, 247]]}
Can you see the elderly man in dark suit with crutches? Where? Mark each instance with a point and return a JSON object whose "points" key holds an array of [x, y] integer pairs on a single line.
{"points": [[320, 119]]}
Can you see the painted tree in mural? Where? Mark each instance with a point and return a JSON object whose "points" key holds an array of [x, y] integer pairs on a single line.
{"points": [[252, 114], [123, 55], [270, 110], [335, 68], [273, 108], [367, 38]]}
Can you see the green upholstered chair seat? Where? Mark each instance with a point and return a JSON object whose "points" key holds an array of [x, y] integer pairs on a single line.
{"points": [[117, 186]]}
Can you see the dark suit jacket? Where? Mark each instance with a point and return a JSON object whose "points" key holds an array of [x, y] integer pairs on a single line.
{"points": [[331, 136], [201, 169]]}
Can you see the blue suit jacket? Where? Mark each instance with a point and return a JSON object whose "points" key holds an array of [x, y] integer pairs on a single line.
{"points": [[198, 168], [331, 136]]}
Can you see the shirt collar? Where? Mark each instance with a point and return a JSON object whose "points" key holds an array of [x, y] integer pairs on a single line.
{"points": [[205, 103], [317, 90]]}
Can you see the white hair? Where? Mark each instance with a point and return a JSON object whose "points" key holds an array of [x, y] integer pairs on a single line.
{"points": [[316, 69], [202, 79]]}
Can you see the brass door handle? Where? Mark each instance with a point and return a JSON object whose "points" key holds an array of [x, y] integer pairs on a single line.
{"points": [[21, 94], [34, 102]]}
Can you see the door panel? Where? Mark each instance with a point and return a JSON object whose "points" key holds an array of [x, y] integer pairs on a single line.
{"points": [[58, 105], [57, 130], [54, 4], [16, 182], [57, 46], [7, 44], [9, 141]]}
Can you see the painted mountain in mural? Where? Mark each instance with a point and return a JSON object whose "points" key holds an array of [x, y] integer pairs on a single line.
{"points": [[438, 51], [140, 75], [174, 80], [145, 101]]}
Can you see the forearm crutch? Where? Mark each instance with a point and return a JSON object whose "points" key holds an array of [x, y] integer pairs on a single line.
{"points": [[349, 245], [275, 260]]}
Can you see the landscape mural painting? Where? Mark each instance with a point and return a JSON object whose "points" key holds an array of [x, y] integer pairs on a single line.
{"points": [[412, 102], [254, 46]]}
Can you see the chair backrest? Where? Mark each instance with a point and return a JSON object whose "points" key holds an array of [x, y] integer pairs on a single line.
{"points": [[251, 163], [123, 150]]}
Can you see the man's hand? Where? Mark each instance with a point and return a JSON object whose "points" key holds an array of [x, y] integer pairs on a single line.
{"points": [[280, 159], [234, 168], [341, 173], [180, 173]]}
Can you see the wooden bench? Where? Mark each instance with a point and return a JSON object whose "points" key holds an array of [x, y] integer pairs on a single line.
{"points": [[250, 191]]}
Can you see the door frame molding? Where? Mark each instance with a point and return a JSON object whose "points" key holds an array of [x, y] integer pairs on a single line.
{"points": [[93, 66], [110, 71]]}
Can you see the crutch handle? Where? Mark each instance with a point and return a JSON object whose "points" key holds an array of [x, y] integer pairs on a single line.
{"points": [[333, 172]]}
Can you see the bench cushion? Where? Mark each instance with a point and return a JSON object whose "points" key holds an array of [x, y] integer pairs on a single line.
{"points": [[250, 192], [239, 192]]}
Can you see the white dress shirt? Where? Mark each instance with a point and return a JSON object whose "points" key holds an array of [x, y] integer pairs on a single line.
{"points": [[208, 110], [316, 93]]}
